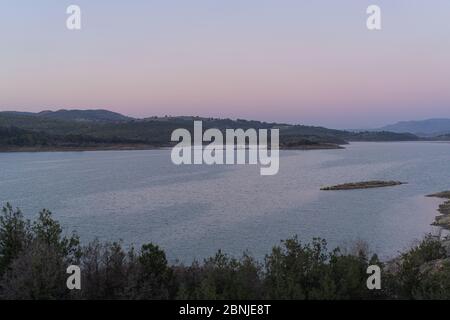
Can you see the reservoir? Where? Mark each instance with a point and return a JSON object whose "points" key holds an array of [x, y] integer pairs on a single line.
{"points": [[191, 211]]}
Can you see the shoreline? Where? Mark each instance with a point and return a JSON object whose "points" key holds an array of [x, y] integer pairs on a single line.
{"points": [[80, 149], [442, 220], [140, 147]]}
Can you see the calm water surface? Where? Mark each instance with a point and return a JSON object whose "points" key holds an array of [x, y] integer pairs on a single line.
{"points": [[192, 211]]}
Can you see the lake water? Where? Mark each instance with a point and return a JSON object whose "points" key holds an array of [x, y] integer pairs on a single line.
{"points": [[192, 211]]}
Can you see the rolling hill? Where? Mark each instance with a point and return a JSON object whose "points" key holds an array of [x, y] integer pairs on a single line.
{"points": [[98, 115], [423, 128]]}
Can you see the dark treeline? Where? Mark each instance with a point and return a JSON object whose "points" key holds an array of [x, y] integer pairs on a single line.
{"points": [[12, 137], [34, 257]]}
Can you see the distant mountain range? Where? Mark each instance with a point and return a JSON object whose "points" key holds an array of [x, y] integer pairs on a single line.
{"points": [[95, 129], [423, 128], [98, 115]]}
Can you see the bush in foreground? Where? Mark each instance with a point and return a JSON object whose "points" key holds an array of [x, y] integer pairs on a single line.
{"points": [[34, 257]]}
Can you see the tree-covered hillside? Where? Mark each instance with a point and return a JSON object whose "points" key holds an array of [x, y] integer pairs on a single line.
{"points": [[78, 128]]}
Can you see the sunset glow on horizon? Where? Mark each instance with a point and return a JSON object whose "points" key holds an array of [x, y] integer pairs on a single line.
{"points": [[309, 62]]}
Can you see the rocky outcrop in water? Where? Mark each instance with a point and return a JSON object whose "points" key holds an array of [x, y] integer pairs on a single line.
{"points": [[363, 185]]}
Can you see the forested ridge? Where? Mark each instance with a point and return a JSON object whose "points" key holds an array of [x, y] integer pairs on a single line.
{"points": [[102, 128]]}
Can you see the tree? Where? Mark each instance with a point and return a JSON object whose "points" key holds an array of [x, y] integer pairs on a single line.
{"points": [[154, 278], [14, 235], [34, 257]]}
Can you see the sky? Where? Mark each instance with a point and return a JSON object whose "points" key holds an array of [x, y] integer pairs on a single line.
{"points": [[297, 61]]}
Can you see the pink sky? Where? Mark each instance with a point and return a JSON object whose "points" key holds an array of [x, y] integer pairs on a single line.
{"points": [[300, 62]]}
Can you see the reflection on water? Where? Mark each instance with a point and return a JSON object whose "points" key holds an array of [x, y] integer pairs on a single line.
{"points": [[191, 211]]}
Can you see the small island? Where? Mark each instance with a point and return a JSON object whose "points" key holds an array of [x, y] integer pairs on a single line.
{"points": [[444, 209], [363, 185]]}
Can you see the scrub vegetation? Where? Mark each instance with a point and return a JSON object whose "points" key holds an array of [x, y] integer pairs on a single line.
{"points": [[34, 256]]}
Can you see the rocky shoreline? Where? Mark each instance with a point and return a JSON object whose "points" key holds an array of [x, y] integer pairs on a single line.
{"points": [[442, 220]]}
